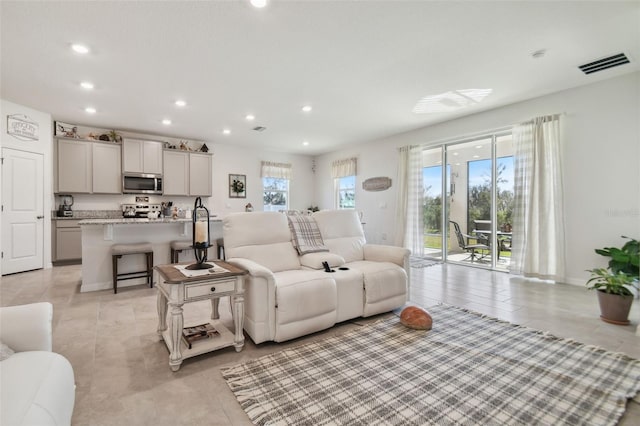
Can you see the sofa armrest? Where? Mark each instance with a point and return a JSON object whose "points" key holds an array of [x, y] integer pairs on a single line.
{"points": [[254, 269], [384, 253], [27, 327], [259, 300]]}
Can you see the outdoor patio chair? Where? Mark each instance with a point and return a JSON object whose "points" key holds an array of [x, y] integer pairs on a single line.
{"points": [[471, 248]]}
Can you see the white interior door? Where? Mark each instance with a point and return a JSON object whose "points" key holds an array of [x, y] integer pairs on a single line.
{"points": [[22, 211]]}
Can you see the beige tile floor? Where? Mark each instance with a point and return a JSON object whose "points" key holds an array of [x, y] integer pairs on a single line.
{"points": [[122, 370]]}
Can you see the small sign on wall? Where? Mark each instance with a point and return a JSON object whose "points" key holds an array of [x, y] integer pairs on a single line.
{"points": [[376, 184], [22, 127]]}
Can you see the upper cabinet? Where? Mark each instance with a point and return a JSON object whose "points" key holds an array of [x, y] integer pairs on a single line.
{"points": [[75, 163], [176, 173], [88, 167], [107, 175], [187, 173], [200, 174], [140, 156]]}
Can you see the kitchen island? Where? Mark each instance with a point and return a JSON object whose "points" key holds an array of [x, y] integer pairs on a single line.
{"points": [[98, 235]]}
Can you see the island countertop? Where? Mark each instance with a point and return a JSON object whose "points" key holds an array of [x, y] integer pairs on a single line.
{"points": [[99, 236], [138, 221]]}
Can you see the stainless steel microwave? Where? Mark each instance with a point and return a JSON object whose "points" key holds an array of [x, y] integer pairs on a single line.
{"points": [[140, 183]]}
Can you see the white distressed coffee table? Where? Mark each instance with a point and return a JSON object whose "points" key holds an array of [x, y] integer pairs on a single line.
{"points": [[175, 289]]}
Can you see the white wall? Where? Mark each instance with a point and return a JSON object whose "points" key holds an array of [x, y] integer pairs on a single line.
{"points": [[601, 127], [42, 146], [245, 161]]}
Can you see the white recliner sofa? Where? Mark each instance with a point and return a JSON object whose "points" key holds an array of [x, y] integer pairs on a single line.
{"points": [[36, 385], [288, 295]]}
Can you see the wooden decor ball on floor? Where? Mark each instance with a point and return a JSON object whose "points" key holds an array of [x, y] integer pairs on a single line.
{"points": [[416, 317]]}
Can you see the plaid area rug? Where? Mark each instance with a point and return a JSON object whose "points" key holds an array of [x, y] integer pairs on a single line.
{"points": [[469, 369]]}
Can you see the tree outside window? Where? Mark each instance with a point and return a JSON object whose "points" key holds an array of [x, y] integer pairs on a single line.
{"points": [[346, 192], [275, 194], [479, 201]]}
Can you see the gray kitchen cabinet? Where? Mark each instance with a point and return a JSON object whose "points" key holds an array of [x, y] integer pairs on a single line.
{"points": [[88, 167], [67, 240], [141, 156], [187, 173], [107, 175], [74, 166], [200, 172], [176, 173]]}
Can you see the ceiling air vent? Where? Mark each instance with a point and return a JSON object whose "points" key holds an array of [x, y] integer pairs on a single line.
{"points": [[259, 129], [605, 63]]}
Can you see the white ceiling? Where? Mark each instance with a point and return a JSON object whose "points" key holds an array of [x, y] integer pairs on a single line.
{"points": [[362, 65]]}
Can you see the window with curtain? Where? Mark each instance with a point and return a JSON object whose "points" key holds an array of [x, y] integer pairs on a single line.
{"points": [[344, 177], [275, 185], [346, 192]]}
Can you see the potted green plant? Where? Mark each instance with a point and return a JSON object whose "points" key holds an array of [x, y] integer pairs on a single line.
{"points": [[614, 284]]}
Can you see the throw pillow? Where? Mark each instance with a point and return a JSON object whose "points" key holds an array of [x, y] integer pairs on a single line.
{"points": [[305, 234], [314, 260], [5, 351]]}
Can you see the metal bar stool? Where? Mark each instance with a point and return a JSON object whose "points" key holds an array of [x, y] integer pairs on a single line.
{"points": [[119, 250], [177, 247]]}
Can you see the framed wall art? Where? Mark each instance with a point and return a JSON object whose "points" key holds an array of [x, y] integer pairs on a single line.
{"points": [[237, 186]]}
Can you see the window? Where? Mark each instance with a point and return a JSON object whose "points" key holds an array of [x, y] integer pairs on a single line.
{"points": [[344, 175], [275, 185], [276, 194], [346, 192]]}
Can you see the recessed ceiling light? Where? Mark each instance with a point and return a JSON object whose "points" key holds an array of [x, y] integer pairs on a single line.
{"points": [[87, 85], [305, 143], [307, 108], [226, 131], [439, 162], [457, 164], [79, 48], [90, 110], [476, 156], [451, 101], [250, 117], [478, 146], [166, 121], [455, 153], [180, 103], [259, 3]]}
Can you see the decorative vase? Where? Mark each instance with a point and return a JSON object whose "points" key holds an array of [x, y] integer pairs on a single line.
{"points": [[614, 308]]}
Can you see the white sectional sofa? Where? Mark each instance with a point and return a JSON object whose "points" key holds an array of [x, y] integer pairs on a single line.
{"points": [[288, 295], [36, 385]]}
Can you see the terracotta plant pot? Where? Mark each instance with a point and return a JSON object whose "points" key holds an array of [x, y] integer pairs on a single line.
{"points": [[614, 308]]}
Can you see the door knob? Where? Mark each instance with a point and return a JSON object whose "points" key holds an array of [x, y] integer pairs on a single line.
{"points": [[39, 217]]}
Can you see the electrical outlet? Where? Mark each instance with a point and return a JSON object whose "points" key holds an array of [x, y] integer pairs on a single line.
{"points": [[384, 236]]}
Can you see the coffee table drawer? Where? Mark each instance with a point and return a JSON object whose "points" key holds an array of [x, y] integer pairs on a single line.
{"points": [[195, 291]]}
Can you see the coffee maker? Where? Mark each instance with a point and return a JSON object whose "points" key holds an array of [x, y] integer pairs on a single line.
{"points": [[64, 209]]}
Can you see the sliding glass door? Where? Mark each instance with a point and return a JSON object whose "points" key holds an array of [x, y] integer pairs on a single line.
{"points": [[468, 201]]}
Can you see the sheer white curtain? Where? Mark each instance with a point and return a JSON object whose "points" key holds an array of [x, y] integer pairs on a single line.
{"points": [[346, 167], [409, 215], [538, 224]]}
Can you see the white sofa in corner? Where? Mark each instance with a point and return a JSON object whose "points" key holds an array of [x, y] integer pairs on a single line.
{"points": [[288, 295], [36, 385]]}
